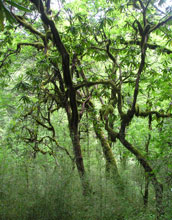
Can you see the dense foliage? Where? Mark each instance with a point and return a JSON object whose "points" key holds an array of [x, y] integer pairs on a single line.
{"points": [[86, 107]]}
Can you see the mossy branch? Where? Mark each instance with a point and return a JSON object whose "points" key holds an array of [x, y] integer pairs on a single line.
{"points": [[37, 45], [99, 82], [150, 113], [29, 27]]}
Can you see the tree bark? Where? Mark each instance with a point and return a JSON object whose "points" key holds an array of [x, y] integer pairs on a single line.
{"points": [[111, 165], [158, 187], [146, 192], [74, 134], [107, 151]]}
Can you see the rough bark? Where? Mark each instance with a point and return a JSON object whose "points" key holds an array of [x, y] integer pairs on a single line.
{"points": [[112, 169], [107, 151], [79, 160], [146, 191]]}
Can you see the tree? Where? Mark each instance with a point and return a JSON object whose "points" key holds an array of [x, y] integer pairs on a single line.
{"points": [[95, 57]]}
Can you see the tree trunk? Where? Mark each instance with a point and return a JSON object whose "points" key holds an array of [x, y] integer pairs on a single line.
{"points": [[111, 166], [79, 160], [158, 187], [146, 191]]}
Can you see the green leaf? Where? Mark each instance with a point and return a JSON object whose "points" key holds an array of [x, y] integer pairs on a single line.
{"points": [[8, 14], [25, 99], [20, 7]]}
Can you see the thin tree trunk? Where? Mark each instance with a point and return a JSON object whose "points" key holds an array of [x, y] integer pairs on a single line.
{"points": [[146, 193]]}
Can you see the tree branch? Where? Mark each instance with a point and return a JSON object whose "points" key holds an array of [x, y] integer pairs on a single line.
{"points": [[65, 60], [37, 45], [58, 146], [29, 27], [89, 84], [160, 24], [150, 46], [149, 113]]}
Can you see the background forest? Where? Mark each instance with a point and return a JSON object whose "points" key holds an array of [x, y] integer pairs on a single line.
{"points": [[85, 110]]}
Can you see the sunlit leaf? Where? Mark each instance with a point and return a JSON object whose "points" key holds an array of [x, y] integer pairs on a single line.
{"points": [[20, 7]]}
